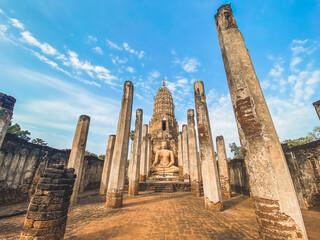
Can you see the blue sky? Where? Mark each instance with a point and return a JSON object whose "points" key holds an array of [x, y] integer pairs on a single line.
{"points": [[61, 59]]}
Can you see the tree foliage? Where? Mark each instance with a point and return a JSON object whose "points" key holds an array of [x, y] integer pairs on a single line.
{"points": [[131, 135], [88, 153], [39, 141], [312, 136], [16, 130], [102, 157], [236, 150]]}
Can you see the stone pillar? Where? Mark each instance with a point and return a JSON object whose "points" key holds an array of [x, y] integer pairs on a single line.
{"points": [[77, 154], [6, 111], [180, 160], [120, 154], [193, 158], [149, 154], [185, 154], [134, 164], [107, 165], [276, 204], [46, 217], [210, 178], [144, 150], [223, 168], [316, 106]]}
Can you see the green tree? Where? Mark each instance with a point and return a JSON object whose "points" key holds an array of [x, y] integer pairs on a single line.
{"points": [[131, 135], [88, 153], [315, 134], [16, 130], [102, 157], [312, 136], [236, 150], [39, 141]]}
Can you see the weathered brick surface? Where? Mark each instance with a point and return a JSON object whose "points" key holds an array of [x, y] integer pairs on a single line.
{"points": [[47, 213], [114, 198]]}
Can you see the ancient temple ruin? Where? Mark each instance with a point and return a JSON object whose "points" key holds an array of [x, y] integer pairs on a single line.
{"points": [[166, 158]]}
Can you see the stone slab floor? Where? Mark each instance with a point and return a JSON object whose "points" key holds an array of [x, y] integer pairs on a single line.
{"points": [[160, 216]]}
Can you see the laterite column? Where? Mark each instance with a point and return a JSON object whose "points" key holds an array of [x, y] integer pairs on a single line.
{"points": [[180, 160], [77, 154], [6, 112], [193, 158], [120, 153], [107, 165], [134, 163], [223, 168], [277, 209], [185, 154], [210, 178], [144, 150]]}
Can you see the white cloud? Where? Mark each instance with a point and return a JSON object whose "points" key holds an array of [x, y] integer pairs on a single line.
{"points": [[130, 69], [173, 52], [16, 23], [117, 60], [45, 47], [92, 39], [140, 54], [98, 50], [190, 65], [276, 71], [294, 62], [139, 96], [1, 10], [3, 28], [299, 47], [112, 45]]}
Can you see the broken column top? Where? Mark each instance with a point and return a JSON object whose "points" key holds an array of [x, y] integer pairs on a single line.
{"points": [[219, 137], [224, 17], [84, 118], [191, 112], [139, 112], [7, 101], [316, 103]]}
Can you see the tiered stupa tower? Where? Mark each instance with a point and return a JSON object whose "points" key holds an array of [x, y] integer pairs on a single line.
{"points": [[163, 125]]}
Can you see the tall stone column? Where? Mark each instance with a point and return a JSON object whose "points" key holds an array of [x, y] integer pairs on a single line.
{"points": [[185, 154], [223, 168], [120, 153], [210, 178], [134, 163], [6, 112], [77, 154], [107, 165], [144, 150], [276, 204], [180, 160], [316, 106], [149, 154], [193, 158]]}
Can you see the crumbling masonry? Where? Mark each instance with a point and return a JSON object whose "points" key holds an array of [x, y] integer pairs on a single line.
{"points": [[276, 204]]}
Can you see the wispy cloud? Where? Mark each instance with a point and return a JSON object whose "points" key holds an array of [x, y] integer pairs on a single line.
{"points": [[16, 23], [92, 39], [130, 69], [188, 64], [98, 50], [140, 54], [113, 45]]}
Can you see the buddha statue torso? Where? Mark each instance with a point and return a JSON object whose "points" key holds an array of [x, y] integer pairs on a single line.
{"points": [[164, 161]]}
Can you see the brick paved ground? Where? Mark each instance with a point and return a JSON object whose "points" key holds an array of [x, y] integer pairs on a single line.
{"points": [[160, 216]]}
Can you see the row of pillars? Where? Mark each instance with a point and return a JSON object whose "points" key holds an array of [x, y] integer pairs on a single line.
{"points": [[276, 204]]}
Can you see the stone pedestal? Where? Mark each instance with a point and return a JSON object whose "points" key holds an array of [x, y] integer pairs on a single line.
{"points": [[180, 160], [193, 158], [185, 154], [134, 164], [276, 204], [77, 154], [46, 217], [210, 178], [6, 112], [107, 165], [144, 150], [316, 106], [120, 154], [223, 168]]}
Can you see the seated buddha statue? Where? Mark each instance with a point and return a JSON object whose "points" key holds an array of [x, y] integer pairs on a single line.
{"points": [[164, 160]]}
